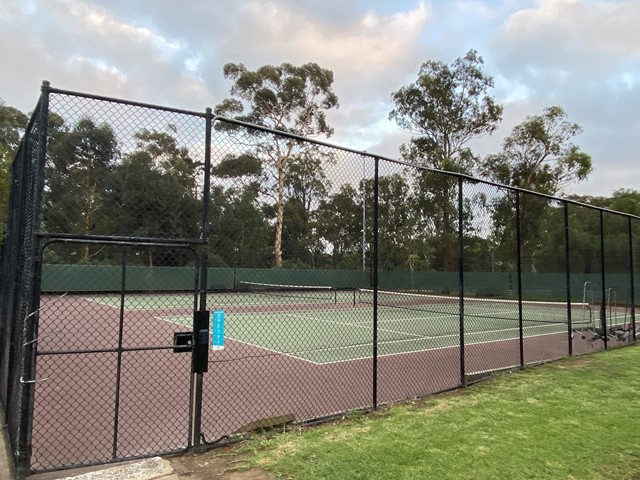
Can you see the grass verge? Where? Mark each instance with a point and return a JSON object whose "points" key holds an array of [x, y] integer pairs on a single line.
{"points": [[578, 418]]}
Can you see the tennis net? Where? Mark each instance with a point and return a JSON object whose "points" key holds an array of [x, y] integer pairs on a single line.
{"points": [[308, 293], [533, 311]]}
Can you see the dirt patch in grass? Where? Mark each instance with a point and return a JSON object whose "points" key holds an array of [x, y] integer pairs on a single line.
{"points": [[220, 464]]}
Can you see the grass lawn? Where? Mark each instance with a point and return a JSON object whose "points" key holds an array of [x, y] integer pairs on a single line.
{"points": [[578, 418]]}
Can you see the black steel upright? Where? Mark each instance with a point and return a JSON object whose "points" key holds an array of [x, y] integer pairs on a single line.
{"points": [[204, 267], [603, 285], [519, 276], [567, 268], [376, 195], [461, 277], [116, 410], [632, 283], [31, 321]]}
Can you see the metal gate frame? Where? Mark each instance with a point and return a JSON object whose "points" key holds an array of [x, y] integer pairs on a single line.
{"points": [[199, 355]]}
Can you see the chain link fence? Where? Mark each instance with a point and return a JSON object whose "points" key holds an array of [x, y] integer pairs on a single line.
{"points": [[344, 281]]}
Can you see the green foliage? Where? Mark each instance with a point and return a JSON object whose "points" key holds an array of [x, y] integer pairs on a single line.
{"points": [[444, 109], [287, 98], [12, 125], [237, 166], [240, 234], [339, 222], [626, 201], [539, 155], [78, 169]]}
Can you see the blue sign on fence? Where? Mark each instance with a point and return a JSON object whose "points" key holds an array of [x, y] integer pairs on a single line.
{"points": [[217, 329]]}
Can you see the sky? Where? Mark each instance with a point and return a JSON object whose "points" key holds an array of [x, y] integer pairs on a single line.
{"points": [[583, 55]]}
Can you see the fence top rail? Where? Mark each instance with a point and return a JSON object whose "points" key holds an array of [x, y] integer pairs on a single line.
{"points": [[126, 102], [46, 88]]}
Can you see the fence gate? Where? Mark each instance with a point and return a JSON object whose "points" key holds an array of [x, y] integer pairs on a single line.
{"points": [[110, 384]]}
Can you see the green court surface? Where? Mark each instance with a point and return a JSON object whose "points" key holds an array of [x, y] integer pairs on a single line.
{"points": [[333, 336], [337, 328]]}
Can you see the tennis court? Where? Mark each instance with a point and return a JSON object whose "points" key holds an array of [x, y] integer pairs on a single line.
{"points": [[324, 325]]}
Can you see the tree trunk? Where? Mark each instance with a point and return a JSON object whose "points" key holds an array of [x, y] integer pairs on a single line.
{"points": [[88, 219], [279, 219]]}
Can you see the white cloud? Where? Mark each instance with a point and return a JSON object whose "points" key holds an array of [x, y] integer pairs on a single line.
{"points": [[574, 34], [475, 8], [371, 42], [581, 54], [89, 21]]}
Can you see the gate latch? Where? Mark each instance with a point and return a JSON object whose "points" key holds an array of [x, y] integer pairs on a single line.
{"points": [[200, 357], [182, 342]]}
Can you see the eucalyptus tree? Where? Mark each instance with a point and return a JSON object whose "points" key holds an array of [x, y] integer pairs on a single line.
{"points": [[444, 109], [339, 223], [287, 98], [152, 192], [539, 156], [306, 185], [242, 236], [80, 162]]}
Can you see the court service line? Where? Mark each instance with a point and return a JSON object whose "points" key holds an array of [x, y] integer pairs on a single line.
{"points": [[262, 347], [368, 327], [439, 348], [104, 304]]}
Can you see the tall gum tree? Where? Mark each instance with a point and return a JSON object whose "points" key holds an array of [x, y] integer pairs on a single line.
{"points": [[444, 109], [79, 165], [286, 98], [538, 155]]}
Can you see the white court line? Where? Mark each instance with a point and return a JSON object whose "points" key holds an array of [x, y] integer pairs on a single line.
{"points": [[457, 335], [368, 327], [438, 348], [89, 299], [418, 337], [275, 351], [347, 324], [227, 337]]}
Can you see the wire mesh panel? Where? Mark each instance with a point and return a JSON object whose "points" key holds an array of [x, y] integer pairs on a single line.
{"points": [[417, 317], [617, 280], [287, 254], [120, 169], [585, 260], [108, 382], [17, 295], [545, 307], [491, 310]]}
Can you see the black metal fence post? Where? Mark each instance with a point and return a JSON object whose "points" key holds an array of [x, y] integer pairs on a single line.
{"points": [[567, 266], [461, 278], [28, 378], [116, 412], [204, 266], [603, 280], [14, 292], [375, 282], [632, 283], [519, 276]]}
